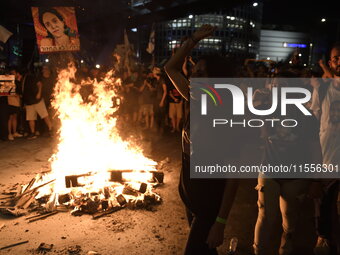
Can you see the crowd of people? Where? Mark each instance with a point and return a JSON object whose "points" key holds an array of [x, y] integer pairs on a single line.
{"points": [[20, 110], [315, 140], [158, 98], [147, 99]]}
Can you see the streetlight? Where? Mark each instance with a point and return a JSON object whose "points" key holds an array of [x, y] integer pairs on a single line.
{"points": [[323, 20], [255, 4], [47, 60], [97, 66], [191, 16]]}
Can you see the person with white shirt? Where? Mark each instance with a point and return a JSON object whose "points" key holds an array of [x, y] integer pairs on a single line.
{"points": [[326, 105]]}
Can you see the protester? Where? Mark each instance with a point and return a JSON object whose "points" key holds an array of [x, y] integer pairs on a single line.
{"points": [[48, 81], [136, 83], [14, 105], [129, 106], [175, 108], [147, 99], [160, 99], [278, 197], [35, 104], [208, 202], [326, 104]]}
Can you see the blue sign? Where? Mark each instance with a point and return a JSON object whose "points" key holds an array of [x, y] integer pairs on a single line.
{"points": [[296, 45]]}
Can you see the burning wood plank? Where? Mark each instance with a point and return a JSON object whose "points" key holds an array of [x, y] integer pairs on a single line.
{"points": [[18, 204], [64, 198], [26, 200], [34, 189], [134, 195], [30, 184], [134, 191], [6, 197], [40, 217], [121, 200], [12, 245], [117, 175], [72, 180], [14, 211], [9, 193]]}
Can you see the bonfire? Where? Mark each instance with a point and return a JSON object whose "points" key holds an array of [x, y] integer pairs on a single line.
{"points": [[93, 170]]}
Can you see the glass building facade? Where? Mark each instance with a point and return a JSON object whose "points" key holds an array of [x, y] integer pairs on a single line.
{"points": [[237, 33]]}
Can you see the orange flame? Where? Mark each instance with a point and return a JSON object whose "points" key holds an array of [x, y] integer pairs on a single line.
{"points": [[88, 136]]}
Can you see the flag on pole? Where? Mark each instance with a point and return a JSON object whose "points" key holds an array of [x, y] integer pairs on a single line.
{"points": [[4, 34], [151, 45]]}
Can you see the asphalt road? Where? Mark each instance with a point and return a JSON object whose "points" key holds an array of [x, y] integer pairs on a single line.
{"points": [[162, 231]]}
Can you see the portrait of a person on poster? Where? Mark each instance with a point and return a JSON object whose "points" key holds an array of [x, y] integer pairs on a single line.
{"points": [[56, 29]]}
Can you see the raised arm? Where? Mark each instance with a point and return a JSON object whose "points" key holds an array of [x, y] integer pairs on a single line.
{"points": [[326, 71], [174, 66]]}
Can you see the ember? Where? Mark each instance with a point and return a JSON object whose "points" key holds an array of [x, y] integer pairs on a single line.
{"points": [[82, 178]]}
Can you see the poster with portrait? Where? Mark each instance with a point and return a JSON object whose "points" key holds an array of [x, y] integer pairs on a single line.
{"points": [[56, 29], [7, 85]]}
